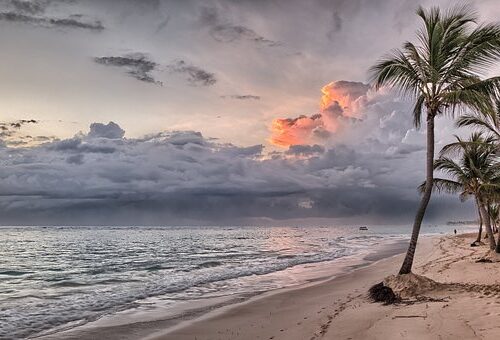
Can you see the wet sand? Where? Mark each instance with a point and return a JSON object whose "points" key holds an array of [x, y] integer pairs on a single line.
{"points": [[160, 321], [466, 307]]}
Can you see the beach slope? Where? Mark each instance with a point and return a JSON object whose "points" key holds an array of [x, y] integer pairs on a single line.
{"points": [[466, 306]]}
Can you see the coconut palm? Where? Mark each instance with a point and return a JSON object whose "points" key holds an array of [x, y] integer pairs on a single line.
{"points": [[443, 72], [494, 214], [476, 174], [489, 123]]}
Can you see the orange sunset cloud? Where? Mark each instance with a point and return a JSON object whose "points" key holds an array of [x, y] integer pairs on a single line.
{"points": [[339, 100]]}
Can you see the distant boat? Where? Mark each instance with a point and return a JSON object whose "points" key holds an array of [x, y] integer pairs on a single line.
{"points": [[363, 228]]}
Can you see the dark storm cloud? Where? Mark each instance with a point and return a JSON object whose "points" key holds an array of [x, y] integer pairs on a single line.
{"points": [[138, 65], [196, 76], [305, 150], [75, 159], [78, 145], [242, 97], [183, 177], [29, 6], [33, 13], [76, 23], [224, 31]]}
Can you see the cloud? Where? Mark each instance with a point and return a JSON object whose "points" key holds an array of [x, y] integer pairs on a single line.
{"points": [[162, 24], [34, 13], [140, 66], [342, 103], [242, 97], [137, 65], [223, 31], [101, 177], [337, 22], [78, 145], [76, 23], [305, 150], [10, 133], [29, 6], [299, 130], [196, 76], [178, 138], [346, 94], [75, 159], [110, 130]]}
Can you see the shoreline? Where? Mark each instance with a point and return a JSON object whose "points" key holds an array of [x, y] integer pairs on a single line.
{"points": [[140, 326], [229, 322], [466, 306]]}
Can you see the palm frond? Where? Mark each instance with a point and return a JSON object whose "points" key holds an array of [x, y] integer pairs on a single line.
{"points": [[443, 185]]}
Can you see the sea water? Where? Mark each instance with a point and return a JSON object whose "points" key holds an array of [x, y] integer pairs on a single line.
{"points": [[60, 277]]}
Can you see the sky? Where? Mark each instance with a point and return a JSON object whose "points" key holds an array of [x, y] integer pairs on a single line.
{"points": [[188, 112]]}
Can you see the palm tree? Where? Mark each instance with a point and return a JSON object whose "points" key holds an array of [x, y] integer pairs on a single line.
{"points": [[443, 73], [494, 214], [489, 123], [476, 174]]}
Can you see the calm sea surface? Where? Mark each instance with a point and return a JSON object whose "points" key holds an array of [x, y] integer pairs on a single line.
{"points": [[51, 277]]}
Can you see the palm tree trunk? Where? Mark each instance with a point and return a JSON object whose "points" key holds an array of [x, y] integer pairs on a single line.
{"points": [[479, 234], [497, 249], [487, 225], [429, 179]]}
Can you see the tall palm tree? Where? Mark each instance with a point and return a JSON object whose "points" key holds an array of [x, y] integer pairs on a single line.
{"points": [[476, 174], [443, 73]]}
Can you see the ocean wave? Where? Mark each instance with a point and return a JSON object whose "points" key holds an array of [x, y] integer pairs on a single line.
{"points": [[15, 272], [209, 264], [144, 263]]}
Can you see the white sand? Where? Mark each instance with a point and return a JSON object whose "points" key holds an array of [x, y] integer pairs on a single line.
{"points": [[339, 309]]}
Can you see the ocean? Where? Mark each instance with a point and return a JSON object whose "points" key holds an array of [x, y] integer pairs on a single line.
{"points": [[56, 278]]}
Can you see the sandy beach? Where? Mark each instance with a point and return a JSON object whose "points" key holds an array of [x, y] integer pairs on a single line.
{"points": [[464, 304], [339, 308]]}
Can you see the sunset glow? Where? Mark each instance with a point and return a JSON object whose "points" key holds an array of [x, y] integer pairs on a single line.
{"points": [[331, 97], [288, 131], [339, 100]]}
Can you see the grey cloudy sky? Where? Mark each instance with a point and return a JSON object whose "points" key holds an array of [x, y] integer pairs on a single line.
{"points": [[216, 113]]}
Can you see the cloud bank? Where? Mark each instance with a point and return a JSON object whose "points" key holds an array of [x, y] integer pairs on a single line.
{"points": [[369, 172]]}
